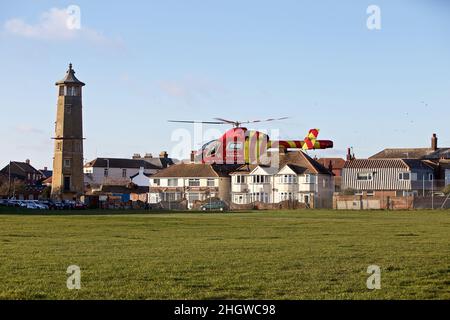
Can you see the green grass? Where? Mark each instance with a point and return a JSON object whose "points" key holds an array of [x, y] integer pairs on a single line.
{"points": [[261, 255]]}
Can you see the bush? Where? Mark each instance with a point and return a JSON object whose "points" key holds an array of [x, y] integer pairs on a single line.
{"points": [[348, 192], [446, 190]]}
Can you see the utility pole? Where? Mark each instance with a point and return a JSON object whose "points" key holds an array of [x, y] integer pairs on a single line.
{"points": [[9, 180]]}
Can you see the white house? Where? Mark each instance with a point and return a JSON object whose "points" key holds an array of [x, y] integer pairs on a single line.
{"points": [[115, 171], [297, 178], [190, 181]]}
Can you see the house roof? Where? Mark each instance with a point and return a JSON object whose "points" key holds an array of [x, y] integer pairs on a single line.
{"points": [[20, 169], [195, 170], [244, 169], [46, 173], [160, 162], [48, 180], [336, 163], [299, 159], [120, 163], [412, 153], [70, 78], [387, 163]]}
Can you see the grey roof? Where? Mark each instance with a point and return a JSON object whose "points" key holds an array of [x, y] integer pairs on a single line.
{"points": [[387, 163], [121, 163], [412, 153], [20, 168], [70, 78]]}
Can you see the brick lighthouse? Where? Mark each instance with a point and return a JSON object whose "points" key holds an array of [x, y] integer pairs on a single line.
{"points": [[68, 180]]}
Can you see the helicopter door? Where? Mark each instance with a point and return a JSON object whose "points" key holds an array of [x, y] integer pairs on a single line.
{"points": [[235, 152], [212, 152]]}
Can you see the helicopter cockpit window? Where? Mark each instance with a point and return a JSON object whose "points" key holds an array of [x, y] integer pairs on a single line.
{"points": [[211, 148], [235, 146]]}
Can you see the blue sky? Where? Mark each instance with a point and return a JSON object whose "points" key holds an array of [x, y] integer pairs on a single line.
{"points": [[144, 62]]}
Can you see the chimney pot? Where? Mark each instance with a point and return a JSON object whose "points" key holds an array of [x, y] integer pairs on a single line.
{"points": [[27, 161], [434, 142]]}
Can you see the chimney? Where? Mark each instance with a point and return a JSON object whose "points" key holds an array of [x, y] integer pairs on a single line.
{"points": [[27, 161], [434, 142], [349, 154], [136, 156], [163, 154], [45, 168], [148, 156], [192, 156]]}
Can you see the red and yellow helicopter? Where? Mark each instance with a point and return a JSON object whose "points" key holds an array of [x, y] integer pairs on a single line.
{"points": [[242, 146]]}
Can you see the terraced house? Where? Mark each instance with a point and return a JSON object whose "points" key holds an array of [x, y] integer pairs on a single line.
{"points": [[298, 177]]}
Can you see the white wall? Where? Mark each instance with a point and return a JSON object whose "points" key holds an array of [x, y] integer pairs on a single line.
{"points": [[95, 175]]}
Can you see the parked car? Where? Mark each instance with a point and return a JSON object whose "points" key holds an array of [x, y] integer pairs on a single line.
{"points": [[31, 205], [79, 205], [214, 205]]}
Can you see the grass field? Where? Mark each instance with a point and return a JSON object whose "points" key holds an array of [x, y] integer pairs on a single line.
{"points": [[263, 255]]}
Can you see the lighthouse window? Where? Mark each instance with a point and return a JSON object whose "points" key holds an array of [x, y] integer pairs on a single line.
{"points": [[66, 163], [61, 90], [69, 109]]}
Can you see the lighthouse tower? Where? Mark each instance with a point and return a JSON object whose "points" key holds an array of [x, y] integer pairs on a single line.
{"points": [[67, 179]]}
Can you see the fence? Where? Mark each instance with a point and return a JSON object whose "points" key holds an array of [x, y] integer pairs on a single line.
{"points": [[343, 202]]}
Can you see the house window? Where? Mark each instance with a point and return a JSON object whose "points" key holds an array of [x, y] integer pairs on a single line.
{"points": [[194, 182], [156, 182], [194, 196], [260, 179], [404, 176], [240, 179], [172, 182], [430, 177], [105, 172], [67, 163], [364, 176], [288, 179], [170, 196], [370, 193], [210, 183], [124, 173]]}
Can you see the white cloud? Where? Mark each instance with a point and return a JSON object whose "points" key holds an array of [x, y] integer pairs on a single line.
{"points": [[54, 24], [190, 88], [27, 129]]}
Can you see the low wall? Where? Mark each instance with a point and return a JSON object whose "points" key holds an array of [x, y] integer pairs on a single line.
{"points": [[341, 202], [284, 205]]}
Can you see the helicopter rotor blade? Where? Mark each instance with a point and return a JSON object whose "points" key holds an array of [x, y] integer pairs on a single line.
{"points": [[266, 120], [226, 121], [192, 121]]}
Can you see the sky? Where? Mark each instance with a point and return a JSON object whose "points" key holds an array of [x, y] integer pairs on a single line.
{"points": [[145, 62]]}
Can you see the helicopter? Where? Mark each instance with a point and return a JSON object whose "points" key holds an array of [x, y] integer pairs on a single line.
{"points": [[240, 145]]}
